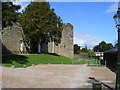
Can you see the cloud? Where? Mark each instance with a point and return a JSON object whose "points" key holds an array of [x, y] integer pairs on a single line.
{"points": [[22, 4], [64, 0], [82, 39], [112, 8], [18, 1]]}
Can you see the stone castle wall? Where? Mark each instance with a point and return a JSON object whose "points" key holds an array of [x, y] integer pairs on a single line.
{"points": [[65, 48], [12, 37]]}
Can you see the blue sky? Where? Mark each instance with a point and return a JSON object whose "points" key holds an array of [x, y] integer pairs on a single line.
{"points": [[92, 21]]}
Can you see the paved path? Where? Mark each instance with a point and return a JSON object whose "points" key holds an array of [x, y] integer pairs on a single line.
{"points": [[90, 62], [55, 76]]}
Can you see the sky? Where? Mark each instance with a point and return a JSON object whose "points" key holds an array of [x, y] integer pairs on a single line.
{"points": [[92, 21]]}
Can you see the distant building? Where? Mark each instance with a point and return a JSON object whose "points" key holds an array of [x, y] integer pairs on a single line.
{"points": [[99, 56], [12, 41]]}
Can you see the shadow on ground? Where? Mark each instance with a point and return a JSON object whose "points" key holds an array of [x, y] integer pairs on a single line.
{"points": [[53, 54], [105, 85], [112, 69], [13, 57]]}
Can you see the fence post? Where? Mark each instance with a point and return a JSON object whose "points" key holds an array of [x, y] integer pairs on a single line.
{"points": [[88, 63]]}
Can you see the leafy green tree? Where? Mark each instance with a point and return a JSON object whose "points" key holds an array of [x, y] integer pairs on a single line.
{"points": [[40, 23], [109, 46], [84, 50], [90, 53], [103, 46], [76, 49], [96, 48], [9, 13]]}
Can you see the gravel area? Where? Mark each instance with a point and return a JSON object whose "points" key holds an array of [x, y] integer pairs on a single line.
{"points": [[55, 76]]}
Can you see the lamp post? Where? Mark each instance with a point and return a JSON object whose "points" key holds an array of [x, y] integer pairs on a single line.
{"points": [[117, 21]]}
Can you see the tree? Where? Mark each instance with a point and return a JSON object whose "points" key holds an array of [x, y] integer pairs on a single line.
{"points": [[40, 23], [109, 46], [96, 48], [103, 46], [76, 49], [84, 50], [90, 53], [9, 13]]}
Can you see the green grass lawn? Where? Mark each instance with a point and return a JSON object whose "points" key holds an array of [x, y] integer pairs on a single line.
{"points": [[18, 60], [92, 59], [95, 62]]}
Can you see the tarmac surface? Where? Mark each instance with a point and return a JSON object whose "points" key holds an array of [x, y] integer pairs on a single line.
{"points": [[55, 76]]}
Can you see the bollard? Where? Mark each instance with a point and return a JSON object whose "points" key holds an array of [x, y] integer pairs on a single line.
{"points": [[97, 86], [88, 63]]}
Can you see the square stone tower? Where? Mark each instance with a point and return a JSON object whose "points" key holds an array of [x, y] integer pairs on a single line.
{"points": [[65, 48]]}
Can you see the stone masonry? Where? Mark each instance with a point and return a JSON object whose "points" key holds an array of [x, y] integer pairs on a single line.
{"points": [[12, 41], [11, 37], [65, 48]]}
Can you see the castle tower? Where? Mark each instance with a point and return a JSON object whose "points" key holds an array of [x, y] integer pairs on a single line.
{"points": [[65, 48]]}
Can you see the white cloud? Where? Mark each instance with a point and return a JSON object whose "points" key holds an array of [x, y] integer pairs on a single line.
{"points": [[64, 0], [112, 8], [18, 1], [82, 39], [23, 4]]}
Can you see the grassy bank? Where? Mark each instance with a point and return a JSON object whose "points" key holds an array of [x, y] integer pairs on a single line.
{"points": [[92, 59], [24, 60], [94, 62]]}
